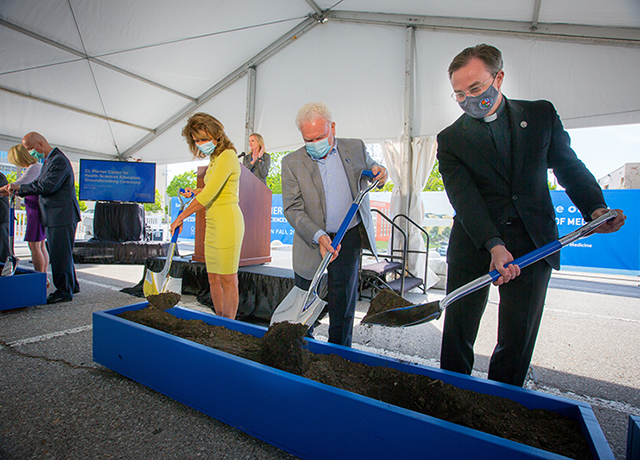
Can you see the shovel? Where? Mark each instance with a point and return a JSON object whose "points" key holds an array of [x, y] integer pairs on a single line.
{"points": [[304, 307], [418, 314], [161, 290], [12, 261]]}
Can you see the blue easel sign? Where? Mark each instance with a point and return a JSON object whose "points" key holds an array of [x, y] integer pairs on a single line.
{"points": [[617, 252], [189, 225]]}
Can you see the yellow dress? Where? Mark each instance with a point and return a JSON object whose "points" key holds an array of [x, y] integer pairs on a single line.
{"points": [[225, 224]]}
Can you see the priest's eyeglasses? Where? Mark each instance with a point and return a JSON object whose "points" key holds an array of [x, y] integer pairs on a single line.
{"points": [[460, 96]]}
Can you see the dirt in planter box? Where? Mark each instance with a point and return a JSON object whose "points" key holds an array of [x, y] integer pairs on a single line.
{"points": [[282, 348]]}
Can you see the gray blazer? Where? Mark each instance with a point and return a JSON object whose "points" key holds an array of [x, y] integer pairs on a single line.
{"points": [[304, 200]]}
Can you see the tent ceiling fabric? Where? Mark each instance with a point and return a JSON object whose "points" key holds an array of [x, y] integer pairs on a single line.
{"points": [[118, 79]]}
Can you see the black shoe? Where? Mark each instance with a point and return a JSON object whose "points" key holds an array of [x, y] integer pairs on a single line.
{"points": [[76, 289], [56, 298]]}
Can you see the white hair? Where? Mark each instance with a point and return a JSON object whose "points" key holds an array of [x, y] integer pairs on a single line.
{"points": [[312, 110]]}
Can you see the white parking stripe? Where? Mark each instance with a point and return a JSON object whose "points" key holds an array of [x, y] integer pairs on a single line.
{"points": [[102, 285], [42, 338]]}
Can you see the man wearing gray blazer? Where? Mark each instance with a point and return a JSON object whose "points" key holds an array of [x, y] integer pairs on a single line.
{"points": [[60, 212], [319, 183]]}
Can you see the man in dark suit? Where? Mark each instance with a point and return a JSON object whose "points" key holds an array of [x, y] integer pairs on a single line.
{"points": [[4, 222], [494, 161], [60, 212], [319, 184]]}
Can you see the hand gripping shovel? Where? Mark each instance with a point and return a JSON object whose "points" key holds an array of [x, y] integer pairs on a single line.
{"points": [[418, 314], [12, 261], [305, 306], [161, 290]]}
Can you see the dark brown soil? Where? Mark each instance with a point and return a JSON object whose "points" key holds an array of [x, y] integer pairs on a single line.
{"points": [[164, 300], [281, 348], [387, 300]]}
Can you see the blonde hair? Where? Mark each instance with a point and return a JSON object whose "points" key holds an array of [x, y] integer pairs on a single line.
{"points": [[200, 123], [19, 156], [259, 138], [312, 110]]}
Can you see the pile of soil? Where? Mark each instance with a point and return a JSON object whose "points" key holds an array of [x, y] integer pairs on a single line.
{"points": [[282, 348], [164, 300], [387, 300]]}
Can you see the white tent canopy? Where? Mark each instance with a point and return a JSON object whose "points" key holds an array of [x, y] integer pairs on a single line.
{"points": [[117, 79]]}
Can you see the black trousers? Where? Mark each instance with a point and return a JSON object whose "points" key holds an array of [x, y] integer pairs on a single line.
{"points": [[343, 287], [520, 312], [5, 250], [60, 240]]}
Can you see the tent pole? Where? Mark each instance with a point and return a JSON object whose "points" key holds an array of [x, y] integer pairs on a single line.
{"points": [[407, 158], [251, 107]]}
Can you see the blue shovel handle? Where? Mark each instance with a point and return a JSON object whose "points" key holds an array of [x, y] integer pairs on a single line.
{"points": [[531, 257], [349, 217], [12, 214], [176, 232], [345, 224]]}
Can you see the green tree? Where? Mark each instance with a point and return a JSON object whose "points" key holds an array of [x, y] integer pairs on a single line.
{"points": [[154, 207], [184, 180], [274, 179], [12, 176], [434, 182], [82, 204]]}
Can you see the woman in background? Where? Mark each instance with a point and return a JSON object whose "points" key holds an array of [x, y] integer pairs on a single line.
{"points": [[257, 160], [224, 222], [34, 234]]}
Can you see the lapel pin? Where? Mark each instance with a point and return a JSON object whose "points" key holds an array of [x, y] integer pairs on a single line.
{"points": [[523, 124]]}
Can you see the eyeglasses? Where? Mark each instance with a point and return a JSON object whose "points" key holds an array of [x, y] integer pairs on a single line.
{"points": [[460, 96]]}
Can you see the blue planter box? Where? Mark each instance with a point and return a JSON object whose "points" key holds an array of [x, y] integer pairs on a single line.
{"points": [[633, 438], [306, 418], [24, 289]]}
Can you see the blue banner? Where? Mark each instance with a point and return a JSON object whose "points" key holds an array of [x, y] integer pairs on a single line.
{"points": [[189, 226], [617, 252], [280, 228]]}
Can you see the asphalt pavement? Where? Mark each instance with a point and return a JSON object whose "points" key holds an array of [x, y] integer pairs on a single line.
{"points": [[56, 403]]}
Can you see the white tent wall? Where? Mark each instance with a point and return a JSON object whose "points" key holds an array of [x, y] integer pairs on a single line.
{"points": [[154, 60], [358, 71], [564, 73], [228, 107]]}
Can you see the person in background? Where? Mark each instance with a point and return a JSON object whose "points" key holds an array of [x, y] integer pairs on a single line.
{"points": [[60, 212], [4, 221], [34, 234], [494, 162], [257, 160], [319, 183], [225, 224]]}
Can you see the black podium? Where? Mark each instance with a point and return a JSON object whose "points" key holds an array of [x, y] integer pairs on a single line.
{"points": [[119, 237], [119, 222]]}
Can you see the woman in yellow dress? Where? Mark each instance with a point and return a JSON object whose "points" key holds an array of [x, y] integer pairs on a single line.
{"points": [[224, 222]]}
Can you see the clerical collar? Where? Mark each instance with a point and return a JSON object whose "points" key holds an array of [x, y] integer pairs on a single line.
{"points": [[494, 115]]}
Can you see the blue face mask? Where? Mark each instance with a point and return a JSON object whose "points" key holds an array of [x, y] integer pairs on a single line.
{"points": [[207, 148], [36, 154], [318, 149], [479, 106]]}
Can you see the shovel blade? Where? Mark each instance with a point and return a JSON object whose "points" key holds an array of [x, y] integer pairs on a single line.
{"points": [[10, 266], [292, 309], [406, 316], [157, 283]]}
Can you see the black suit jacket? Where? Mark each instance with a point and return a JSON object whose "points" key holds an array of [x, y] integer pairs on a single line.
{"points": [[483, 192], [4, 201], [57, 190]]}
